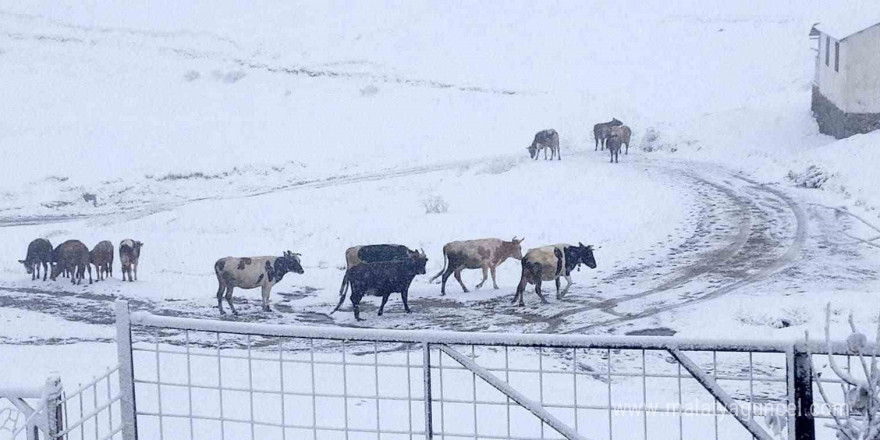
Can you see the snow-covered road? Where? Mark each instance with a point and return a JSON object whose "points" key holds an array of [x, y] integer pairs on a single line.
{"points": [[737, 235]]}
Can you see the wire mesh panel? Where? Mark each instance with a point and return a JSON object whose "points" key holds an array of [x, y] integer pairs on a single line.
{"points": [[226, 386], [91, 411]]}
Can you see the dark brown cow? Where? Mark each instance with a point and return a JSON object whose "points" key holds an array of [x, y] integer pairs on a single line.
{"points": [[39, 252], [71, 255], [102, 257], [602, 130]]}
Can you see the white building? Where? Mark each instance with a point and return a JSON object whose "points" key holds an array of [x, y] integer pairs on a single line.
{"points": [[846, 85]]}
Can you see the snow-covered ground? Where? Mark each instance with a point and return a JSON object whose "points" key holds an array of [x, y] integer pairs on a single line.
{"points": [[216, 128]]}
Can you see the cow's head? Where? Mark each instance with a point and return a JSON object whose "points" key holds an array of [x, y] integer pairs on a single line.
{"points": [[418, 261], [56, 270], [583, 255], [533, 151], [137, 248], [614, 122], [512, 248], [289, 263], [29, 268]]}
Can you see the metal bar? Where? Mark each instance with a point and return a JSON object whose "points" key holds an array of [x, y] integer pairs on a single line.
{"points": [[468, 338], [426, 374], [474, 391], [644, 398], [574, 387], [715, 380], [127, 406], [159, 387], [720, 395], [84, 417], [517, 397], [680, 415], [189, 387], [376, 378], [409, 392], [540, 383], [344, 390], [800, 372], [314, 392], [281, 378], [250, 371], [220, 387], [610, 424]]}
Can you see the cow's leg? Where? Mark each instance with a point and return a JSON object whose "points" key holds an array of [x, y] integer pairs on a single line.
{"points": [[135, 271], [597, 141], [494, 284], [558, 153], [405, 296], [449, 271], [485, 276], [627, 149], [558, 296], [538, 291], [220, 290], [382, 306], [567, 285], [267, 289], [458, 278], [518, 297], [229, 299], [123, 271], [89, 268], [354, 306]]}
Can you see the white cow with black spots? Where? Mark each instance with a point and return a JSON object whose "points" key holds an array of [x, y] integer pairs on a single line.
{"points": [[253, 272]]}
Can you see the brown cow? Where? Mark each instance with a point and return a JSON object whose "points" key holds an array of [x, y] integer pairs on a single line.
{"points": [[602, 130], [102, 257], [129, 254], [486, 254], [71, 255], [624, 134], [550, 263]]}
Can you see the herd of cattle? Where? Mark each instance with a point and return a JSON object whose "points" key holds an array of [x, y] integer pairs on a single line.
{"points": [[612, 134], [376, 270], [73, 259]]}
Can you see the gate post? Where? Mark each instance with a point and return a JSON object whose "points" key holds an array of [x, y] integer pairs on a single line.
{"points": [[126, 371], [800, 394], [53, 413], [429, 410]]}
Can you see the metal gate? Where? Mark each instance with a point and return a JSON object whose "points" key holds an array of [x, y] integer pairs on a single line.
{"points": [[191, 378]]}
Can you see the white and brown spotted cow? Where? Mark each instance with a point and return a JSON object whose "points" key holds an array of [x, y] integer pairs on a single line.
{"points": [[550, 263], [486, 254], [253, 272]]}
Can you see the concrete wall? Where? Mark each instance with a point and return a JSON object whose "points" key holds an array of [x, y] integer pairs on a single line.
{"points": [[835, 122]]}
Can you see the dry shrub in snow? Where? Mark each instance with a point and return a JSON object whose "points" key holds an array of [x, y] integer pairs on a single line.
{"points": [[653, 141], [369, 90], [435, 205], [812, 177], [859, 419], [499, 165]]}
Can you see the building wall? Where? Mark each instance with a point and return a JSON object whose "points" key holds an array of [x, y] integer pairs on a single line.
{"points": [[862, 59], [833, 85], [835, 122]]}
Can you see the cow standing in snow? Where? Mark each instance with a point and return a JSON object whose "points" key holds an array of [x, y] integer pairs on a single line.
{"points": [[550, 263], [374, 253], [129, 254], [623, 133], [382, 279], [39, 252], [602, 130], [72, 256], [486, 254], [253, 272], [613, 144], [545, 140], [102, 257]]}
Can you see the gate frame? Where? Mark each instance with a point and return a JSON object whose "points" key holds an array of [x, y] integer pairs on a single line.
{"points": [[801, 424]]}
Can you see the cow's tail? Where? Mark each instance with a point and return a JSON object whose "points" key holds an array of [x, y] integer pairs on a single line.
{"points": [[341, 292], [445, 261]]}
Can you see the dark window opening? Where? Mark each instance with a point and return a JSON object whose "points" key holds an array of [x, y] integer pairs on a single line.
{"points": [[827, 50], [837, 56]]}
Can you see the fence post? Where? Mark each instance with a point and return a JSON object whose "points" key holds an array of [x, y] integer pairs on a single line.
{"points": [[800, 392], [126, 371], [52, 400], [426, 370]]}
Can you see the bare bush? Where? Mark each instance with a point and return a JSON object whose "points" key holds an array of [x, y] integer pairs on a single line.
{"points": [[860, 417], [435, 205], [812, 177]]}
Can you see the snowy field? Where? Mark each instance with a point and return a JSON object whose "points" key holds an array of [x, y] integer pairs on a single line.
{"points": [[214, 129]]}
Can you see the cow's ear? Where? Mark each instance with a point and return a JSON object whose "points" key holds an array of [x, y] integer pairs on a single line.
{"points": [[21, 261]]}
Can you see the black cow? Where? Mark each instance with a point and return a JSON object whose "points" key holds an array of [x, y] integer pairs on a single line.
{"points": [[382, 279], [39, 252], [374, 253]]}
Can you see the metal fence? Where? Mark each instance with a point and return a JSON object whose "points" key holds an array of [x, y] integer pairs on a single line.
{"points": [[228, 380]]}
